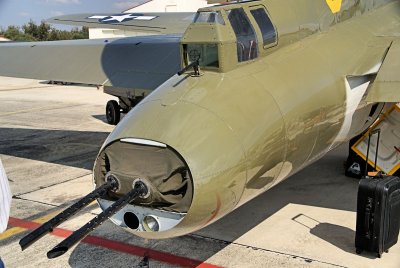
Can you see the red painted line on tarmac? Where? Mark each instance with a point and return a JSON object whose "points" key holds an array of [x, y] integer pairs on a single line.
{"points": [[119, 246]]}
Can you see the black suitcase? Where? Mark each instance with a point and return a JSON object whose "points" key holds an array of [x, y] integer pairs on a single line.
{"points": [[378, 213]]}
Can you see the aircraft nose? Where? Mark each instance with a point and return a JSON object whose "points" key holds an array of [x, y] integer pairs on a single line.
{"points": [[190, 158]]}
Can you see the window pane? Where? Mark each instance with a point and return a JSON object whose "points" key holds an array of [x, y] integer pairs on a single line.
{"points": [[209, 17], [265, 24], [245, 35], [206, 54]]}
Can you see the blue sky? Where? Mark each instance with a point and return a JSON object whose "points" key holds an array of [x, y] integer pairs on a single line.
{"points": [[19, 12]]}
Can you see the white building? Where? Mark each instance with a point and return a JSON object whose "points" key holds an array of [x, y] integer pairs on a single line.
{"points": [[3, 39], [169, 6], [146, 7]]}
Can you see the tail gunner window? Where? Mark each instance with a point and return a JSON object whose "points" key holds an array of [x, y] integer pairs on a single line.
{"points": [[245, 35], [267, 28], [206, 54], [209, 17]]}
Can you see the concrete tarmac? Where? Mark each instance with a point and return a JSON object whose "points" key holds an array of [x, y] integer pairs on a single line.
{"points": [[49, 138]]}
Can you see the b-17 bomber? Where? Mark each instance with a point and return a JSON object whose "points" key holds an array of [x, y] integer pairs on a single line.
{"points": [[232, 102]]}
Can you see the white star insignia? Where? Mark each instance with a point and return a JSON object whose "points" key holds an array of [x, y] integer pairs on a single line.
{"points": [[121, 18]]}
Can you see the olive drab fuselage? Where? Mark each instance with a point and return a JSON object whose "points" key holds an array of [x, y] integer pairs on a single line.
{"points": [[268, 101]]}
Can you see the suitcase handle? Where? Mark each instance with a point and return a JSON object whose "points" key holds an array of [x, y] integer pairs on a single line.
{"points": [[371, 133]]}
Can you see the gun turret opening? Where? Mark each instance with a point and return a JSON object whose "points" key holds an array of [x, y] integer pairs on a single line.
{"points": [[161, 169], [220, 32], [205, 54]]}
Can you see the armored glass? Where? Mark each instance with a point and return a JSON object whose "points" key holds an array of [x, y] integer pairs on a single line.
{"points": [[266, 26], [245, 35], [209, 17], [206, 54]]}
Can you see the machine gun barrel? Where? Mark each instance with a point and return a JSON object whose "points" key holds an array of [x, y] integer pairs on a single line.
{"points": [[194, 65], [139, 189], [47, 227]]}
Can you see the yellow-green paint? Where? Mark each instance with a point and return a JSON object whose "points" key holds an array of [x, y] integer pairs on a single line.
{"points": [[240, 127], [244, 127]]}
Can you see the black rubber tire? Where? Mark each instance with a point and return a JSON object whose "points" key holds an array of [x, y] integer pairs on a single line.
{"points": [[113, 112]]}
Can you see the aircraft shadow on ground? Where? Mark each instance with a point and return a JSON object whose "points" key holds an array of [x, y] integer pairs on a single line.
{"points": [[64, 147], [322, 184], [102, 117]]}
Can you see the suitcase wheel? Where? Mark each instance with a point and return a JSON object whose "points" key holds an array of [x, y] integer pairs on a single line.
{"points": [[379, 255], [358, 251]]}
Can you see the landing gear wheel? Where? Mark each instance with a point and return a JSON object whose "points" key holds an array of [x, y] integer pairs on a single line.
{"points": [[113, 112]]}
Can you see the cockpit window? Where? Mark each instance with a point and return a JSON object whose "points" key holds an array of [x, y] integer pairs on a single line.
{"points": [[266, 26], [206, 54], [209, 17], [245, 35]]}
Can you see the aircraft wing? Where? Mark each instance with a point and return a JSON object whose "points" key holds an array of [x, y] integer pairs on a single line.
{"points": [[134, 62], [156, 23]]}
